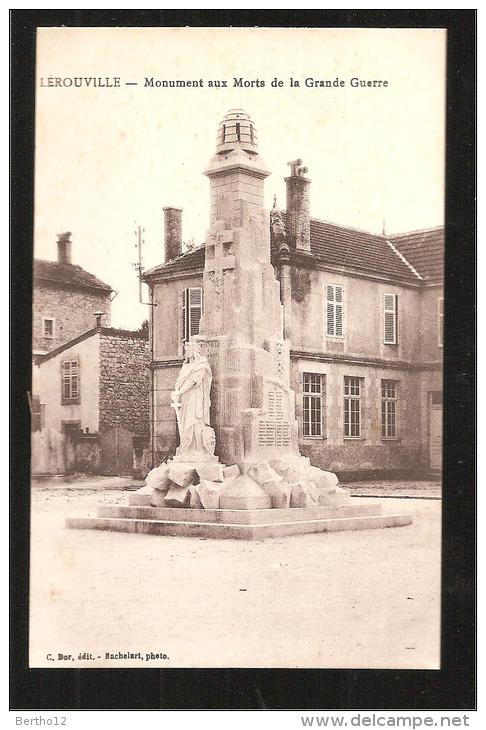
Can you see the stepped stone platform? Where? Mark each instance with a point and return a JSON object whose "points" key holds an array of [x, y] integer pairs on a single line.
{"points": [[139, 517]]}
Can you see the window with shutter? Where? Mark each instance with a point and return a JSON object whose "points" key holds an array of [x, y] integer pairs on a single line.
{"points": [[191, 311], [70, 381], [334, 310], [390, 319]]}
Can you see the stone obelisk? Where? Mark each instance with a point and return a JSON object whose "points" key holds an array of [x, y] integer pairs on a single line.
{"points": [[241, 333]]}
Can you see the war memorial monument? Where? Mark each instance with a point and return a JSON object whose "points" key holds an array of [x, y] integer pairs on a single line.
{"points": [[237, 472]]}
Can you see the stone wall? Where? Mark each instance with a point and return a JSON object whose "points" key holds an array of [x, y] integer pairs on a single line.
{"points": [[124, 381], [72, 310], [362, 317]]}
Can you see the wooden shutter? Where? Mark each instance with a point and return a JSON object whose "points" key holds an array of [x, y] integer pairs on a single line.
{"points": [[390, 309], [330, 310], [440, 321], [195, 310], [191, 311], [334, 310], [339, 310]]}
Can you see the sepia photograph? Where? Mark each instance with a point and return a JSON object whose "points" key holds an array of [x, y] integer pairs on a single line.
{"points": [[237, 348]]}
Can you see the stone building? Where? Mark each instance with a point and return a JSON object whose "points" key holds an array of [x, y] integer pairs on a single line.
{"points": [[362, 318], [94, 390], [65, 298]]}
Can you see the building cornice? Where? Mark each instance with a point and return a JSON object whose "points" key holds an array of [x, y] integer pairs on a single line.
{"points": [[160, 277], [299, 261], [363, 361]]}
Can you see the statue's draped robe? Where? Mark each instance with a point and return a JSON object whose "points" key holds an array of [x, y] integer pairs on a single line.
{"points": [[195, 402]]}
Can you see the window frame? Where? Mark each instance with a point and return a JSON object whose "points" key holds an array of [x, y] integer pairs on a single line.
{"points": [[71, 399], [386, 403], [348, 399], [187, 307], [387, 310], [335, 305], [49, 319], [308, 395]]}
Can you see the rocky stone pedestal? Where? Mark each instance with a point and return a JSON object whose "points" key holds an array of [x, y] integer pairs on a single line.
{"points": [[235, 524], [272, 499]]}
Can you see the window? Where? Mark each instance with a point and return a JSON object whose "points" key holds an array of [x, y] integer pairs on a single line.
{"points": [[352, 407], [388, 409], [390, 319], [440, 321], [47, 327], [70, 381], [334, 310], [312, 405], [191, 312]]}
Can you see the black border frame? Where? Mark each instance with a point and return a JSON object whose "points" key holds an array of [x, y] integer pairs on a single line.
{"points": [[454, 686]]}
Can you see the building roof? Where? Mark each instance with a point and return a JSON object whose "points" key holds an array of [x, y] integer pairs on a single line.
{"points": [[186, 262], [67, 275], [351, 248], [424, 250], [335, 245]]}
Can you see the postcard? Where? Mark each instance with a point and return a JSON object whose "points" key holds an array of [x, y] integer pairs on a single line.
{"points": [[237, 347]]}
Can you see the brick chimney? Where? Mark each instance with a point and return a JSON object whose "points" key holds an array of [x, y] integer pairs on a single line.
{"points": [[298, 207], [172, 232], [64, 247]]}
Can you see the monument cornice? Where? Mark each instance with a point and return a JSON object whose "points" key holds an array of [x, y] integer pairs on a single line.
{"points": [[161, 364]]}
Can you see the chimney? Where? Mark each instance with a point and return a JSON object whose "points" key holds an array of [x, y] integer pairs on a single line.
{"points": [[172, 232], [298, 213], [64, 248]]}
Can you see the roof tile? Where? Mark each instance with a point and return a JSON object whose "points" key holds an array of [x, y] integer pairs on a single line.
{"points": [[67, 274], [424, 250]]}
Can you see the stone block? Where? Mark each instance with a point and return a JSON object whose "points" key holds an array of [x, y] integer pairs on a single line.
{"points": [[158, 478], [157, 498], [304, 494], [177, 496], [210, 493], [230, 472], [263, 472], [210, 472], [285, 469], [194, 498], [245, 493], [182, 474], [146, 489], [279, 493], [322, 479]]}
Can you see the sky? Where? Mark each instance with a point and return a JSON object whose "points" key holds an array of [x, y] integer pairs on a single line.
{"points": [[108, 159]]}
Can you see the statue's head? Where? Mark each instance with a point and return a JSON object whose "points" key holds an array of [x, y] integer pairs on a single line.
{"points": [[192, 348], [208, 440]]}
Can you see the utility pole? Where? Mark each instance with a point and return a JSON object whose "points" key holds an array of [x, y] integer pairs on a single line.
{"points": [[138, 266]]}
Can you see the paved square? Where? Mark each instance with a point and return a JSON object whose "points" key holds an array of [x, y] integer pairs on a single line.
{"points": [[354, 599]]}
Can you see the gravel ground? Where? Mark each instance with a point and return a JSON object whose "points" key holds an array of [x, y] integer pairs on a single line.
{"points": [[395, 488], [349, 600]]}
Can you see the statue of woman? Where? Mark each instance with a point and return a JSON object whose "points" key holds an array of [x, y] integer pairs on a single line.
{"points": [[190, 399]]}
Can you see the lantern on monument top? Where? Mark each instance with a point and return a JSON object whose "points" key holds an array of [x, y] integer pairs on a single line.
{"points": [[237, 130]]}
